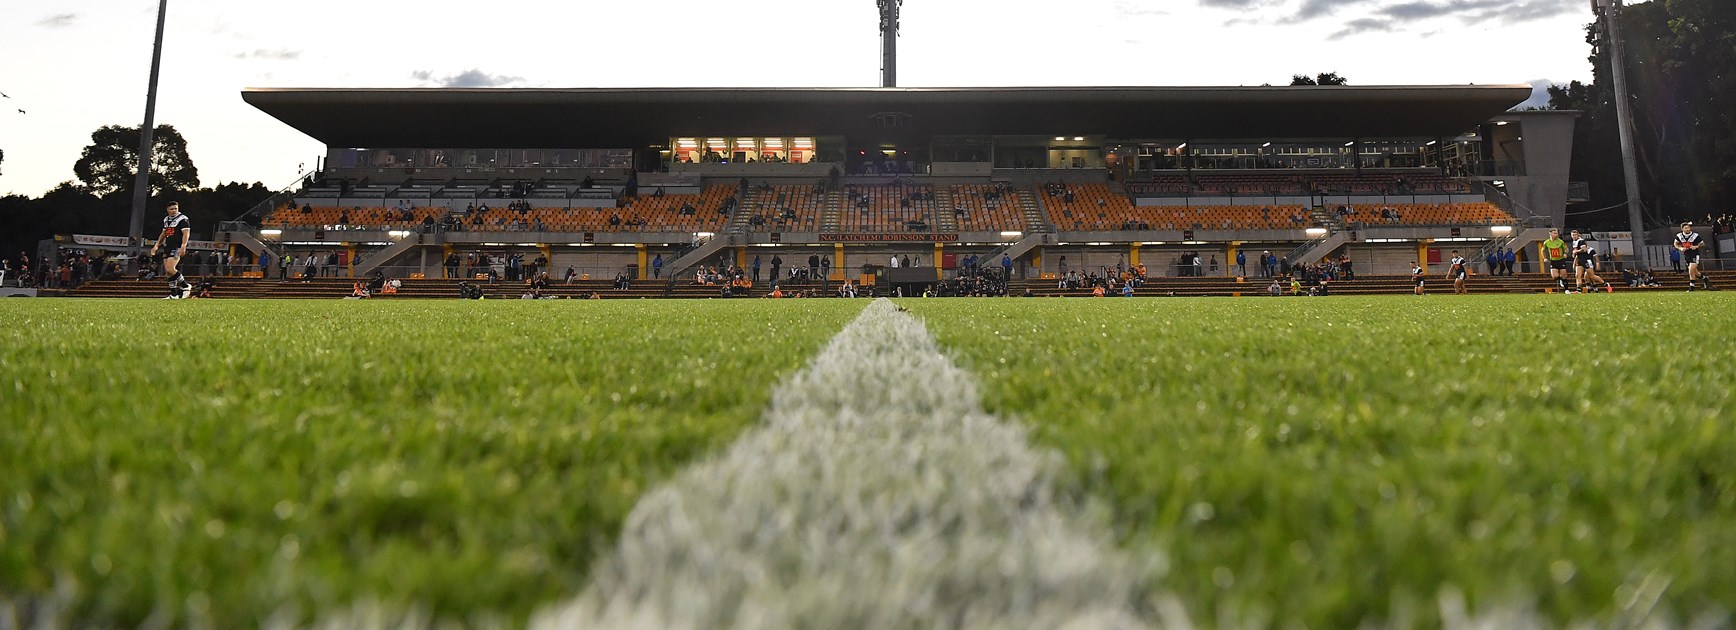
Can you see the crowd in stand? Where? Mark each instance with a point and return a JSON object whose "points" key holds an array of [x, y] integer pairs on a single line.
{"points": [[1722, 223], [69, 269]]}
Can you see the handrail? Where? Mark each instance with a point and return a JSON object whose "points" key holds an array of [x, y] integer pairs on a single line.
{"points": [[274, 200]]}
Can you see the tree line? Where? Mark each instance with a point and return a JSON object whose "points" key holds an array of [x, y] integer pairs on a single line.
{"points": [[100, 200], [1681, 73]]}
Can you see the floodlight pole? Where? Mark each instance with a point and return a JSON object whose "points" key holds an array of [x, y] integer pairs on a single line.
{"points": [[142, 180], [889, 42], [1611, 9]]}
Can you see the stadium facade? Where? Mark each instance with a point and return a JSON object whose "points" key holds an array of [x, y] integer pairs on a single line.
{"points": [[605, 179]]}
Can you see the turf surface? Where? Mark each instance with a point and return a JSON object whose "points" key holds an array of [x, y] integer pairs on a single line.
{"points": [[1334, 461], [220, 460]]}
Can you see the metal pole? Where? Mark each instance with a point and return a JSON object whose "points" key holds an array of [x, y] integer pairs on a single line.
{"points": [[889, 42], [1624, 123], [142, 181]]}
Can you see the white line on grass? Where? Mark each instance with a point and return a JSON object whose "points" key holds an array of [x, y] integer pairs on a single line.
{"points": [[876, 494]]}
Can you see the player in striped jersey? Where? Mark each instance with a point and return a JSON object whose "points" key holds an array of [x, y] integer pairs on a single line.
{"points": [[1457, 269], [177, 232], [1585, 263], [1688, 242]]}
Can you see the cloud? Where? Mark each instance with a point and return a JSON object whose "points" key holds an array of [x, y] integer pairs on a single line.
{"points": [[1234, 5], [281, 54], [1361, 25], [1539, 94], [472, 78], [1388, 15], [58, 20]]}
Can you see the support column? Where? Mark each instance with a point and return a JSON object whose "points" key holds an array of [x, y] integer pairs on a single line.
{"points": [[350, 263], [1230, 259], [741, 257], [1037, 261], [939, 255], [1423, 254], [838, 266], [1133, 254], [446, 251], [644, 269]]}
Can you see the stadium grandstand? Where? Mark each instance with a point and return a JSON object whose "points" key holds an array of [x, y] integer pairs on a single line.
{"points": [[656, 183]]}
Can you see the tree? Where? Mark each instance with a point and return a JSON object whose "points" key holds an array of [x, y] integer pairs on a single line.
{"points": [[1681, 77], [1324, 78], [110, 163]]}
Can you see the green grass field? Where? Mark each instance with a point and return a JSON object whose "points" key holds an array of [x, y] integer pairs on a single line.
{"points": [[1302, 460], [1318, 459], [464, 456]]}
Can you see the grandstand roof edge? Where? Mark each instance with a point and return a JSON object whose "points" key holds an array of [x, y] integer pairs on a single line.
{"points": [[544, 117]]}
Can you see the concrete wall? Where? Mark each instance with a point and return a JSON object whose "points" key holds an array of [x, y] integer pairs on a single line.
{"points": [[1547, 153]]}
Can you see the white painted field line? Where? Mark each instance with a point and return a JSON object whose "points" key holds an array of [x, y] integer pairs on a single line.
{"points": [[876, 494]]}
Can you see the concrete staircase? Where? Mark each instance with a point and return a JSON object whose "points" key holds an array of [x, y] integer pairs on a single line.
{"points": [[1036, 216], [403, 246]]}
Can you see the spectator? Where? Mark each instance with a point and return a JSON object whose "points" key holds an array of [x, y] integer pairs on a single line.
{"points": [[813, 265], [657, 266], [1241, 263], [756, 268], [1493, 262], [1675, 260], [777, 263], [1007, 264], [825, 267]]}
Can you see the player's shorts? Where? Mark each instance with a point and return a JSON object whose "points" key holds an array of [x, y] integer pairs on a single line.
{"points": [[1587, 263], [1459, 276], [1690, 256], [1558, 264], [1419, 282]]}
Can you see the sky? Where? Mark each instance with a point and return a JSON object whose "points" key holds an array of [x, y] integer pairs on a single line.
{"points": [[71, 66]]}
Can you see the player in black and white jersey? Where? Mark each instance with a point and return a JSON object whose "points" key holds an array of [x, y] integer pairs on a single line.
{"points": [[1418, 277], [1688, 242], [1457, 269], [177, 231], [1585, 263]]}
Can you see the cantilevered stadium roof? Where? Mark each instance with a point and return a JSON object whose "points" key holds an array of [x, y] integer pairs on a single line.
{"points": [[601, 118]]}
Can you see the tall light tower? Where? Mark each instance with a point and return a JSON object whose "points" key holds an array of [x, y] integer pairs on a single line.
{"points": [[1609, 10], [889, 42], [142, 180]]}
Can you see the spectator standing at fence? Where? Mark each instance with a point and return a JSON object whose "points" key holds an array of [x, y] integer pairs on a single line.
{"points": [[825, 267], [1675, 260], [1006, 267], [1493, 262], [893, 263], [777, 261], [312, 267], [657, 266], [1242, 264], [813, 266], [1507, 260], [756, 268]]}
